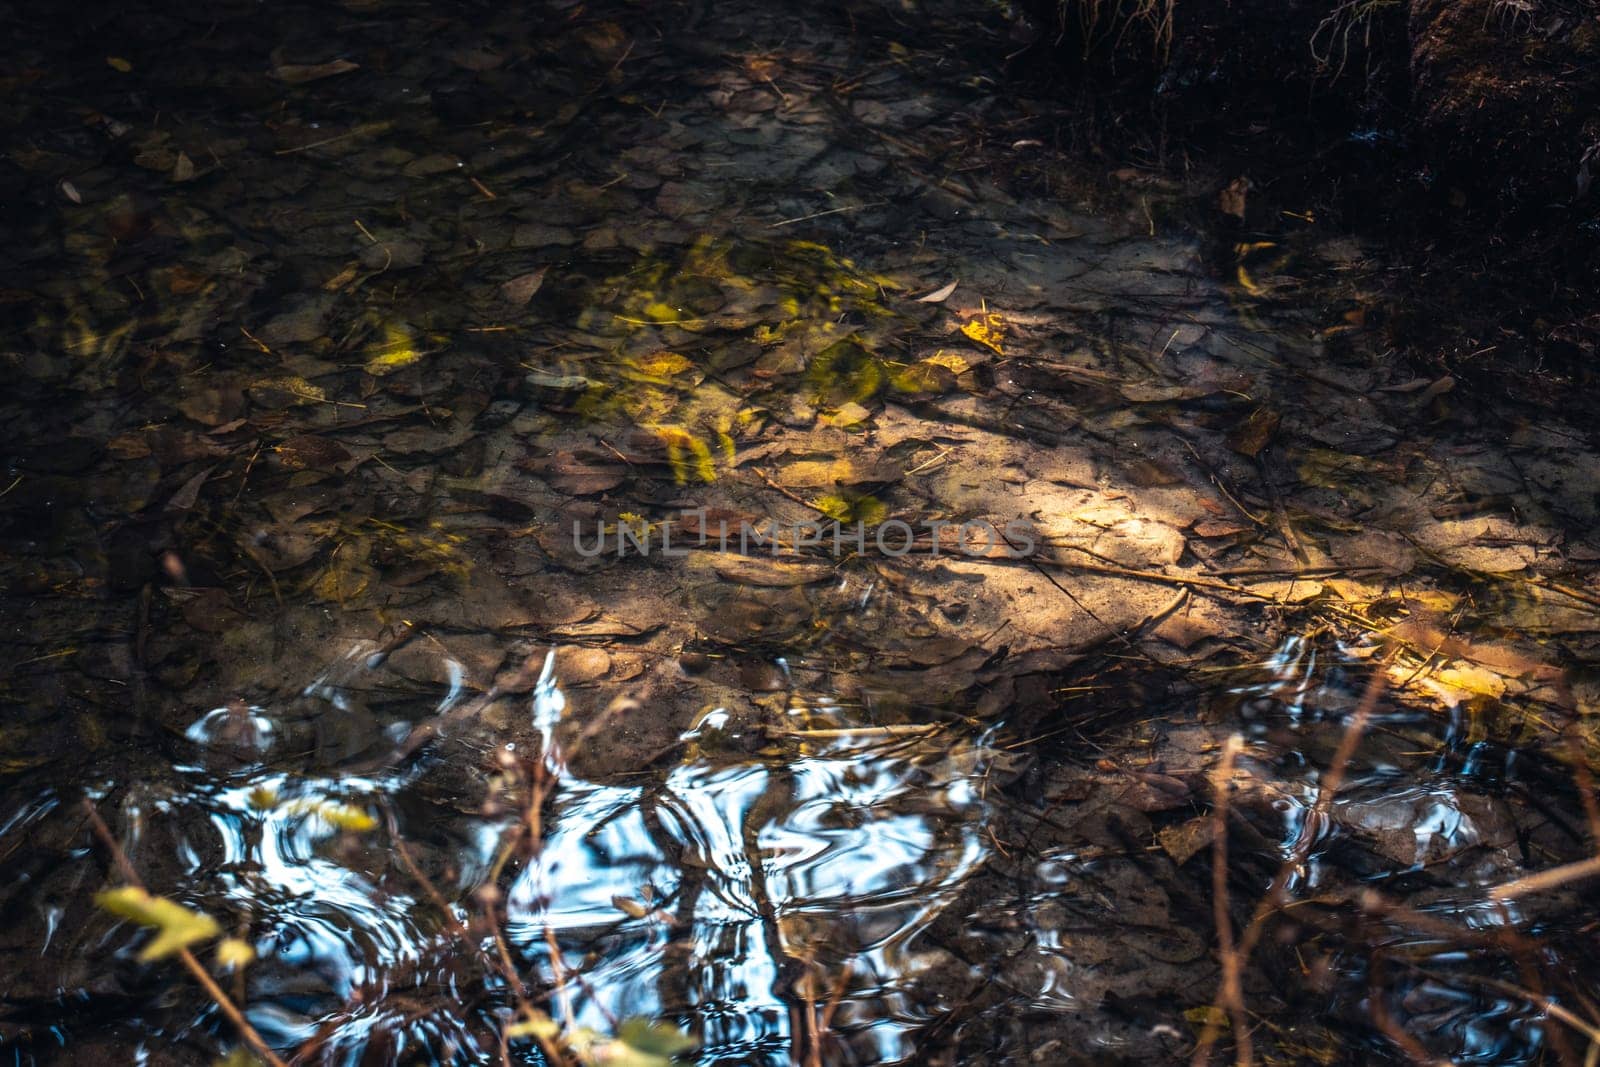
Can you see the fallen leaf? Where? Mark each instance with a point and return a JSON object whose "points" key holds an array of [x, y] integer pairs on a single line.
{"points": [[1252, 435], [183, 168], [310, 452], [988, 331], [233, 953], [1231, 200], [520, 290], [176, 926], [299, 74], [567, 473], [189, 492], [939, 295], [1182, 842], [285, 391], [630, 907]]}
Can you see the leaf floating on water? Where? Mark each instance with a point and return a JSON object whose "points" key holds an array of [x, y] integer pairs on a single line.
{"points": [[300, 73], [988, 330], [652, 1043], [540, 1026], [176, 926], [233, 953], [340, 816]]}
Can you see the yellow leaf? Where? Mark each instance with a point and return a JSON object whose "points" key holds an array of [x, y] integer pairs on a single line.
{"points": [[989, 330], [926, 377], [176, 926], [955, 363], [233, 953], [1209, 1015], [342, 816], [397, 349], [540, 1026], [118, 64], [662, 365], [848, 415]]}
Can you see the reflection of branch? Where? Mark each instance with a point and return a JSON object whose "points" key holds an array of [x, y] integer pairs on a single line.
{"points": [[190, 963], [1278, 891], [1231, 994]]}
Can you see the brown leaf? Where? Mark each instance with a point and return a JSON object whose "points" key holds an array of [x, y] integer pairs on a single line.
{"points": [[773, 573], [567, 473], [1219, 528], [189, 492], [574, 666], [1254, 433], [1231, 201], [310, 452], [211, 611], [300, 73], [1182, 842], [520, 290]]}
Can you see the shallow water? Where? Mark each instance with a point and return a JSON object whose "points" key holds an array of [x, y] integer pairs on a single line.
{"points": [[316, 368]]}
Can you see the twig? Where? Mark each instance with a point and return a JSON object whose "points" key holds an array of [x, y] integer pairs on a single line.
{"points": [[1550, 879], [187, 958], [1277, 892], [1232, 993], [831, 211]]}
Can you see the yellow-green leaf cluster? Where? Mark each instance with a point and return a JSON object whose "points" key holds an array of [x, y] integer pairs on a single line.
{"points": [[176, 926]]}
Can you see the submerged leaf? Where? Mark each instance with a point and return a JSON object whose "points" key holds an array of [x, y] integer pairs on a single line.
{"points": [[989, 330], [520, 290], [397, 349], [300, 73]]}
